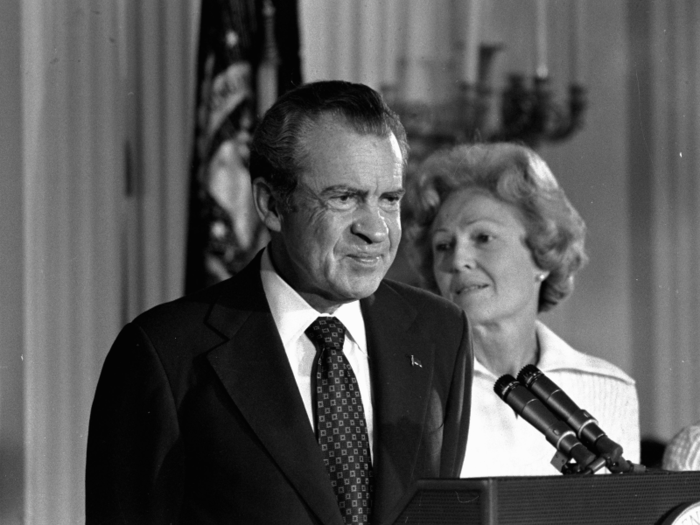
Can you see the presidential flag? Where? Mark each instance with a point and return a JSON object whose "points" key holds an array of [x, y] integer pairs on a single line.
{"points": [[248, 54]]}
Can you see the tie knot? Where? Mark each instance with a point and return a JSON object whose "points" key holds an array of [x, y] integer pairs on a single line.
{"points": [[327, 332]]}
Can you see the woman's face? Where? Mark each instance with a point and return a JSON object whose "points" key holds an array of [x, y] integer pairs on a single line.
{"points": [[480, 259]]}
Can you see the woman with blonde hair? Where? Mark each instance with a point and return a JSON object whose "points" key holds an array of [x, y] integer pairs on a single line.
{"points": [[492, 231]]}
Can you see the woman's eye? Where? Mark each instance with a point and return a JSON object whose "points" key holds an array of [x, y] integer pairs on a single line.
{"points": [[483, 238]]}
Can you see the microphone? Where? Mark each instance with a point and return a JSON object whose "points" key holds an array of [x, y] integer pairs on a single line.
{"points": [[532, 410], [585, 425]]}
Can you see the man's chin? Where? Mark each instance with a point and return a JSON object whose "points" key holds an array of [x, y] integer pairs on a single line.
{"points": [[362, 286]]}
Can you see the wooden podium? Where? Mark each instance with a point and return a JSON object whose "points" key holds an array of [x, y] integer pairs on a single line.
{"points": [[649, 498]]}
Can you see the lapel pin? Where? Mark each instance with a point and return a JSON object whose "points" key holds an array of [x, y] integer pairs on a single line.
{"points": [[416, 362]]}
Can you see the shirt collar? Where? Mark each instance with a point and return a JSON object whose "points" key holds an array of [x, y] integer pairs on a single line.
{"points": [[557, 354], [293, 315]]}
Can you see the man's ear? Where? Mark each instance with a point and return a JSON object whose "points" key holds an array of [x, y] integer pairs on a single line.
{"points": [[266, 205]]}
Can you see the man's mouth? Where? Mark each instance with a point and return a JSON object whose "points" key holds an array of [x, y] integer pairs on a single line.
{"points": [[366, 258]]}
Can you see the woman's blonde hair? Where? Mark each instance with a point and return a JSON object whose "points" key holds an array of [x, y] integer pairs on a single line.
{"points": [[513, 174]]}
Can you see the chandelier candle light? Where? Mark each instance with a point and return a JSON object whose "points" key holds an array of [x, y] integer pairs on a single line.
{"points": [[529, 112]]}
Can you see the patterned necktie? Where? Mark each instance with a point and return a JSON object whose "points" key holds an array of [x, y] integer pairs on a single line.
{"points": [[340, 422]]}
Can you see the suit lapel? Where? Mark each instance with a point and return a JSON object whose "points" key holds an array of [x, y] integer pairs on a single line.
{"points": [[255, 371], [401, 358]]}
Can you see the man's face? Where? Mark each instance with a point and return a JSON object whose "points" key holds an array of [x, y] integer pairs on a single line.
{"points": [[340, 236]]}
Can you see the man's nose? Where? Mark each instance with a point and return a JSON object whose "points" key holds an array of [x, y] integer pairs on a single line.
{"points": [[370, 224]]}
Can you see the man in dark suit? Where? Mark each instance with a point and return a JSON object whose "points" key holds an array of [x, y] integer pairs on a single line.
{"points": [[227, 407]]}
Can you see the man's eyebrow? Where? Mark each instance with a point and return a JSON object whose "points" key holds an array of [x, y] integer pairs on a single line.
{"points": [[398, 192], [349, 190], [342, 188]]}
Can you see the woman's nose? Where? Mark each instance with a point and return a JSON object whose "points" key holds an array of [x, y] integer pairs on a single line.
{"points": [[462, 256]]}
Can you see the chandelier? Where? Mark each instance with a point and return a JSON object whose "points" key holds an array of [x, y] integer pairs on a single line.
{"points": [[529, 112], [524, 109]]}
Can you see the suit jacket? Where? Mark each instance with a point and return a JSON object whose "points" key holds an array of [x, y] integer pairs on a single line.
{"points": [[197, 417]]}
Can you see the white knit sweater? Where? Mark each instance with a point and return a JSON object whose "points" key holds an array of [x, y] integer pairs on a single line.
{"points": [[501, 444], [683, 452]]}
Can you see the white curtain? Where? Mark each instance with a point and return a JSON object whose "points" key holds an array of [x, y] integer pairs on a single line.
{"points": [[73, 174], [673, 171], [160, 39], [96, 100], [414, 46]]}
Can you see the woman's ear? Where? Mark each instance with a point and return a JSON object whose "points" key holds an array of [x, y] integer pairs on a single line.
{"points": [[267, 205]]}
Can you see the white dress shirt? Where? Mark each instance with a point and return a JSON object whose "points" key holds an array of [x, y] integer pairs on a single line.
{"points": [[293, 315], [502, 444]]}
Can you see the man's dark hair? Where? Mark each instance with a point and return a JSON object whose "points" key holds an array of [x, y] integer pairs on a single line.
{"points": [[279, 147]]}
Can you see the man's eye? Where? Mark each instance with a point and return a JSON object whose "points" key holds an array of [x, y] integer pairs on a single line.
{"points": [[483, 238], [441, 247], [342, 200], [391, 201]]}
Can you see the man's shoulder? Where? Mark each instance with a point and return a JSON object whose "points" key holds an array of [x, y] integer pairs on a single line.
{"points": [[411, 291], [425, 302], [239, 292]]}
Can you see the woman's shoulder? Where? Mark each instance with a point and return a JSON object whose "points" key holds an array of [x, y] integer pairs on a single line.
{"points": [[558, 356]]}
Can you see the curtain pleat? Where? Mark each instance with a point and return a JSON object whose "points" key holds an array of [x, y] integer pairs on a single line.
{"points": [[675, 237], [106, 126]]}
